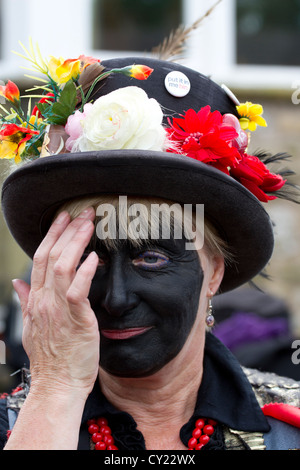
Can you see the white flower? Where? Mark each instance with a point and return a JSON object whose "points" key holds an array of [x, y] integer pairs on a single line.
{"points": [[123, 119]]}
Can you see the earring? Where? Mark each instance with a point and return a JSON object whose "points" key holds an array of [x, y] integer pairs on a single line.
{"points": [[210, 319]]}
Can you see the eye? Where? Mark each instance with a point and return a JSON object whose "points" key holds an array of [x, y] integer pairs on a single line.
{"points": [[102, 259], [151, 260]]}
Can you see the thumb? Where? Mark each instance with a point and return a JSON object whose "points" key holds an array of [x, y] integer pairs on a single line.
{"points": [[22, 289]]}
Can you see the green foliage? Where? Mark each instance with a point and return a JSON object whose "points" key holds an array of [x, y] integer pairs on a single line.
{"points": [[58, 112]]}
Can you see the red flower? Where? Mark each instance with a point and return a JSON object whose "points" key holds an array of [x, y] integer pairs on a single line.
{"points": [[10, 92], [205, 137], [13, 139], [140, 72], [220, 142], [252, 173], [49, 97]]}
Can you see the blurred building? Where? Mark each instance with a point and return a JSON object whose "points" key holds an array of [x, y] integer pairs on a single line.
{"points": [[252, 46], [243, 43]]}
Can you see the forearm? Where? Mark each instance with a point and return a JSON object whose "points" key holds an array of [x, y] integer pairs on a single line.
{"points": [[60, 336], [48, 422]]}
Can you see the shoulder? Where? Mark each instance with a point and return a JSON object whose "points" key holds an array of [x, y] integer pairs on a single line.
{"points": [[271, 388], [3, 423], [279, 398]]}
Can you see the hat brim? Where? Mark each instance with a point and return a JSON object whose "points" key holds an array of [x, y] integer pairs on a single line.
{"points": [[33, 193]]}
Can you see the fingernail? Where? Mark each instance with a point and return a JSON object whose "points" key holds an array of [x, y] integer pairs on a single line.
{"points": [[92, 257], [14, 282], [86, 213], [61, 218], [85, 226]]}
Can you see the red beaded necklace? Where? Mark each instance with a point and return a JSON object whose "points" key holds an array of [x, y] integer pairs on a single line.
{"points": [[102, 439]]}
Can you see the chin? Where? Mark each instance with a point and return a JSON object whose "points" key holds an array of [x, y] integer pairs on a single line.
{"points": [[130, 371], [137, 357], [134, 367]]}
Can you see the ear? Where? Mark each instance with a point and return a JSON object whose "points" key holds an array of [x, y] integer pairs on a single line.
{"points": [[218, 268]]}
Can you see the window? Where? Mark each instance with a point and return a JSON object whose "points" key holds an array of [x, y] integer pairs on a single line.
{"points": [[134, 25], [268, 32]]}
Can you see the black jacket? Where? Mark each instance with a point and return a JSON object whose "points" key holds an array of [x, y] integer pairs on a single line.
{"points": [[229, 394]]}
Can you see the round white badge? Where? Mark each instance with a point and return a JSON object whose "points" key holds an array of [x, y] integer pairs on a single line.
{"points": [[177, 84]]}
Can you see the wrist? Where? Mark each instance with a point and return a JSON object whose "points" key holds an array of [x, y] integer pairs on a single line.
{"points": [[47, 390], [53, 416]]}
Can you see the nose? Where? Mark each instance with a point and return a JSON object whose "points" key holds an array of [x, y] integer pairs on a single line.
{"points": [[119, 298]]}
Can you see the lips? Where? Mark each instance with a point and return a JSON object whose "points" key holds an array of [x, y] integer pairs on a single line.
{"points": [[125, 333]]}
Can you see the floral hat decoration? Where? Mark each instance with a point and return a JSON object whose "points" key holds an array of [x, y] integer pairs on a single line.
{"points": [[147, 127]]}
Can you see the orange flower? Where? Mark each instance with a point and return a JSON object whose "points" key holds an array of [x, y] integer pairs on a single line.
{"points": [[85, 61], [10, 92], [13, 139], [140, 72]]}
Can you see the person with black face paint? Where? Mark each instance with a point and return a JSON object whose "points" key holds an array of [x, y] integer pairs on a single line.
{"points": [[116, 326]]}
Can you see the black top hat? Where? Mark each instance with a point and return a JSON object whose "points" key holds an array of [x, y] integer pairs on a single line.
{"points": [[32, 194]]}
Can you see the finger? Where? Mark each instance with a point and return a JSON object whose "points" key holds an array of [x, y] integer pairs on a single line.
{"points": [[40, 259], [68, 234], [78, 291], [59, 235], [22, 289], [61, 273]]}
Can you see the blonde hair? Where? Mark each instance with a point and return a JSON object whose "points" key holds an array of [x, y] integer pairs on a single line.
{"points": [[213, 244]]}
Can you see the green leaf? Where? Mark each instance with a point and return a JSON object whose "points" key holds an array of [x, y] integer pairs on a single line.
{"points": [[66, 104], [10, 117], [58, 113], [45, 109], [68, 94]]}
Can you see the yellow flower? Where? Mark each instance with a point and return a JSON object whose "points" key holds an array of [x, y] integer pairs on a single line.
{"points": [[13, 140], [140, 72], [11, 150], [61, 71], [251, 116], [33, 121]]}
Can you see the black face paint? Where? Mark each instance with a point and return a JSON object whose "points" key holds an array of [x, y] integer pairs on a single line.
{"points": [[146, 301]]}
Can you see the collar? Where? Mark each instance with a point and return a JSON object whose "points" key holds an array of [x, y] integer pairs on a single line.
{"points": [[225, 395]]}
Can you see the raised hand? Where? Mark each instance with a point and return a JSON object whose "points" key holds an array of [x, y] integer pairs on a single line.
{"points": [[60, 334]]}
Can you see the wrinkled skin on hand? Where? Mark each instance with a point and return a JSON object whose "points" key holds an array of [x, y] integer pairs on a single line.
{"points": [[60, 334]]}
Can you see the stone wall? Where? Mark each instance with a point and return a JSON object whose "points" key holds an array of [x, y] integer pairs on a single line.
{"points": [[283, 135]]}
